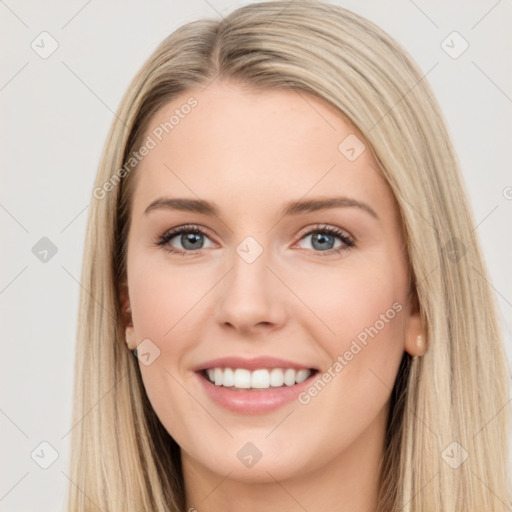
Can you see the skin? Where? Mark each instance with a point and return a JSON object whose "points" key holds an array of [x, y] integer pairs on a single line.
{"points": [[249, 152]]}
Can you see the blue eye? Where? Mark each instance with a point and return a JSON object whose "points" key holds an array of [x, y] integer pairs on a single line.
{"points": [[324, 236], [191, 237]]}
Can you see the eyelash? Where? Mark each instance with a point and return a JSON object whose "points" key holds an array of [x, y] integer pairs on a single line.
{"points": [[163, 240]]}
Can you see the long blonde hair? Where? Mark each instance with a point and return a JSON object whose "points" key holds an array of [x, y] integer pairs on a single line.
{"points": [[446, 405]]}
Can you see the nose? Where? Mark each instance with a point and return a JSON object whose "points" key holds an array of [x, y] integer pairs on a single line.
{"points": [[251, 298]]}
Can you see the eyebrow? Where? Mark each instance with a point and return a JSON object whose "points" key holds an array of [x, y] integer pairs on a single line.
{"points": [[291, 208]]}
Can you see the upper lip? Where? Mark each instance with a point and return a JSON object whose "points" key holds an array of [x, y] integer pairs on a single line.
{"points": [[250, 363]]}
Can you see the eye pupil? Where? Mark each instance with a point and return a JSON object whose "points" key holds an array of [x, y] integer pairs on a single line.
{"points": [[190, 238], [322, 239]]}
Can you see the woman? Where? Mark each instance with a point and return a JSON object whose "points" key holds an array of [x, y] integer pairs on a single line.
{"points": [[272, 370]]}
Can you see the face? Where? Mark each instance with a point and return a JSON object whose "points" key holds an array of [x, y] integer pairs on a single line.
{"points": [[324, 290]]}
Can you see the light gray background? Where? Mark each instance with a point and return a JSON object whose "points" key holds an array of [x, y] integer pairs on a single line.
{"points": [[55, 117]]}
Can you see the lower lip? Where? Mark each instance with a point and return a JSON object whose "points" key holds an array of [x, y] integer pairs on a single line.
{"points": [[256, 401]]}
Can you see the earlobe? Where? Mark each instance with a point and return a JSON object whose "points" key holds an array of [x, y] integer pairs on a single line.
{"points": [[416, 345], [415, 338], [130, 337], [415, 342]]}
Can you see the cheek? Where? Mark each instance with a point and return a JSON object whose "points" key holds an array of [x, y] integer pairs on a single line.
{"points": [[167, 301], [164, 298], [359, 325], [359, 317]]}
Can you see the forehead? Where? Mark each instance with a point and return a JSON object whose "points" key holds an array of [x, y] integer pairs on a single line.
{"points": [[235, 144]]}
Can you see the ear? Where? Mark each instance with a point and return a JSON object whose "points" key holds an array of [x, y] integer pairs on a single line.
{"points": [[415, 337], [126, 313]]}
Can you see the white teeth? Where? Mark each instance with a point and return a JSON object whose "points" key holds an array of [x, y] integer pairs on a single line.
{"points": [[276, 377], [289, 376], [228, 378], [258, 379], [242, 378], [302, 375]]}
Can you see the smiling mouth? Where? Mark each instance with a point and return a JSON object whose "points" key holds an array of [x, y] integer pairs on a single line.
{"points": [[242, 379]]}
